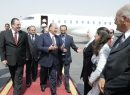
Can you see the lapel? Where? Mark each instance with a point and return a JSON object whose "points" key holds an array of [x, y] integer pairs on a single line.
{"points": [[48, 37], [11, 36], [29, 39], [66, 40], [36, 38], [20, 35], [123, 45]]}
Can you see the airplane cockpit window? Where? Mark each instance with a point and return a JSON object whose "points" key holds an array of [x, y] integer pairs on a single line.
{"points": [[93, 22], [64, 21], [87, 22], [109, 23], [58, 21], [76, 22], [71, 21], [82, 22], [99, 22], [29, 18]]}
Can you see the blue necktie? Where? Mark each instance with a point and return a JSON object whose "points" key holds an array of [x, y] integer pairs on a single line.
{"points": [[63, 40]]}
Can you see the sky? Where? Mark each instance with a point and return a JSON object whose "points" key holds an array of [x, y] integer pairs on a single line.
{"points": [[22, 8]]}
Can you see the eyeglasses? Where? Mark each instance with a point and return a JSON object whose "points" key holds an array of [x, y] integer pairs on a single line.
{"points": [[110, 32]]}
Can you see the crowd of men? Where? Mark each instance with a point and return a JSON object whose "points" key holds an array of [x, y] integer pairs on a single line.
{"points": [[52, 52]]}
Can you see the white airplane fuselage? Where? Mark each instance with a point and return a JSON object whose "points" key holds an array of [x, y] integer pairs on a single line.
{"points": [[76, 25]]}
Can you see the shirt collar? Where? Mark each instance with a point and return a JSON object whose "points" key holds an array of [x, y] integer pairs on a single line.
{"points": [[51, 35], [127, 34], [13, 31]]}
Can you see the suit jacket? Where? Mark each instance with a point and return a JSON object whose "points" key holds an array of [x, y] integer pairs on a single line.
{"points": [[10, 51], [87, 63], [117, 70], [69, 42], [114, 40], [48, 57], [34, 52]]}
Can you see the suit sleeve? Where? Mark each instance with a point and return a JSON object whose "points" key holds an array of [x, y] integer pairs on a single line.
{"points": [[2, 46], [40, 45], [103, 55], [73, 45]]}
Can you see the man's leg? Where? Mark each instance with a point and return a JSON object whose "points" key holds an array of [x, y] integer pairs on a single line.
{"points": [[59, 74], [12, 73], [34, 70], [28, 72], [18, 79]]}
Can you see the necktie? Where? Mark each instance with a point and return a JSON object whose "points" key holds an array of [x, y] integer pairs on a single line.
{"points": [[53, 41], [63, 40], [122, 39], [111, 41], [33, 39], [15, 38]]}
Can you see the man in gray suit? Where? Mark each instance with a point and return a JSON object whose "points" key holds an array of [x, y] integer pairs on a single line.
{"points": [[115, 77], [32, 63], [65, 57], [112, 39]]}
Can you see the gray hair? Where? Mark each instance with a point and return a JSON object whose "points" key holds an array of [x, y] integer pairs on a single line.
{"points": [[13, 20], [125, 10]]}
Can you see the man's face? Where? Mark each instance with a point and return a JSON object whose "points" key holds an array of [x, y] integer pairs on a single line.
{"points": [[54, 29], [111, 33], [46, 30], [7, 27], [16, 25], [32, 30], [119, 21], [63, 30]]}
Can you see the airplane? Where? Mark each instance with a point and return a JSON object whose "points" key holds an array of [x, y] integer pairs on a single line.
{"points": [[76, 25]]}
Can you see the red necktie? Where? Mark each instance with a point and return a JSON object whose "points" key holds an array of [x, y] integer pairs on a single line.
{"points": [[15, 38], [111, 41]]}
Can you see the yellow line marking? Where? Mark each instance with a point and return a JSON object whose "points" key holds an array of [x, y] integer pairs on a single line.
{"points": [[6, 88], [72, 87]]}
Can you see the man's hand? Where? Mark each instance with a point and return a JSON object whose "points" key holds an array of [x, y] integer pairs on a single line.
{"points": [[52, 47], [101, 84], [4, 62], [63, 48], [79, 50]]}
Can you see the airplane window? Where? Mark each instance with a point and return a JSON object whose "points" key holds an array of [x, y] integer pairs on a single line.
{"points": [[70, 21], [105, 23], [76, 22], [82, 22], [52, 21], [64, 21], [110, 23], [87, 22], [29, 18], [58, 21], [93, 22], [99, 22]]}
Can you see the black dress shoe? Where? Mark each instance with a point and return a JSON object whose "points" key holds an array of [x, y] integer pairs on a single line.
{"points": [[28, 85], [42, 89], [68, 89], [58, 84], [53, 94]]}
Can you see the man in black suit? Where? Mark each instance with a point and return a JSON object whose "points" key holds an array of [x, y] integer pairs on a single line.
{"points": [[49, 44], [32, 63], [115, 78], [65, 57], [14, 50]]}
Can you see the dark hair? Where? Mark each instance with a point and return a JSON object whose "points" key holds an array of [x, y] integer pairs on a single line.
{"points": [[112, 30], [13, 20], [27, 28], [103, 32], [7, 24], [63, 26]]}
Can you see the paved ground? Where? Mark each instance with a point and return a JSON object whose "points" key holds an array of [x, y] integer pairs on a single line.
{"points": [[75, 68]]}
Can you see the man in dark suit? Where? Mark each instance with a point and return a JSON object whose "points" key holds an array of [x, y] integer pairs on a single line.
{"points": [[49, 44], [14, 50], [112, 39], [115, 78], [32, 63], [65, 57]]}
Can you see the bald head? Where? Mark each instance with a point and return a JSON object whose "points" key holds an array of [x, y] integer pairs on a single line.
{"points": [[53, 28]]}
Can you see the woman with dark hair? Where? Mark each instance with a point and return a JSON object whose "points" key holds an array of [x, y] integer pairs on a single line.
{"points": [[101, 51]]}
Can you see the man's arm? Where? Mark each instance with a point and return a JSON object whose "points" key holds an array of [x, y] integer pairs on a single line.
{"points": [[27, 47]]}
